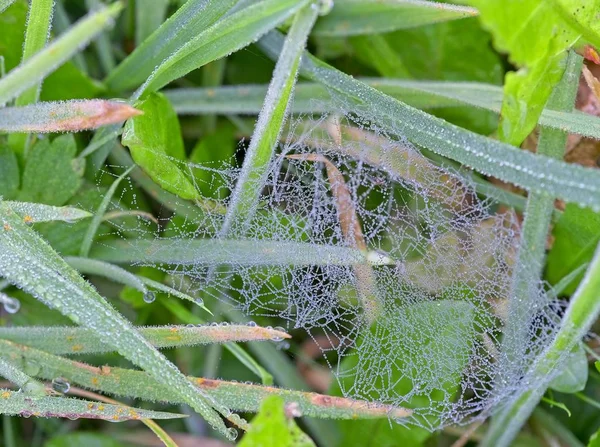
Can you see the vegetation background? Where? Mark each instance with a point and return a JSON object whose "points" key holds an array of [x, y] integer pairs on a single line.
{"points": [[76, 173]]}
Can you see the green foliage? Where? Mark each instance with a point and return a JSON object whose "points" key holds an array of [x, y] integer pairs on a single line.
{"points": [[272, 428], [51, 175], [575, 375], [535, 33], [9, 173], [81, 438], [154, 140], [576, 235]]}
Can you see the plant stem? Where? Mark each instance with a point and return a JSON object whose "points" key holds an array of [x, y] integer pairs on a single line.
{"points": [[582, 312]]}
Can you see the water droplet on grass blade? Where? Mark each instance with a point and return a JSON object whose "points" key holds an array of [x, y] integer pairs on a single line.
{"points": [[60, 385], [149, 297]]}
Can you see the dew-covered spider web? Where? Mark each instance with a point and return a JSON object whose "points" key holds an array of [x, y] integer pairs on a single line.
{"points": [[390, 261]]}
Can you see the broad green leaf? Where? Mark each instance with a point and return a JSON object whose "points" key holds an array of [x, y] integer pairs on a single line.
{"points": [[155, 142], [233, 32], [15, 403], [29, 262], [264, 140], [75, 340], [69, 82], [64, 116], [78, 439], [448, 347], [535, 35], [314, 98], [576, 235], [58, 52], [352, 17], [575, 375], [9, 172], [36, 212], [190, 19], [271, 428], [226, 251], [240, 396], [533, 172], [50, 176]]}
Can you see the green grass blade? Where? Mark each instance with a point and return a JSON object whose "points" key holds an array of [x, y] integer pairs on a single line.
{"points": [[76, 340], [5, 4], [353, 17], [36, 212], [536, 224], [58, 52], [251, 179], [28, 385], [582, 312], [102, 42], [230, 34], [224, 251], [241, 396], [64, 116], [191, 19], [149, 18], [533, 172], [238, 352], [97, 219], [29, 262], [314, 98], [19, 404]]}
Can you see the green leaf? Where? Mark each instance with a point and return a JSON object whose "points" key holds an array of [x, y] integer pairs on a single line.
{"points": [[225, 251], [79, 439], [68, 82], [271, 428], [240, 396], [75, 340], [575, 375], [149, 19], [5, 4], [29, 262], [535, 35], [534, 172], [12, 23], [155, 142], [556, 404], [50, 176], [9, 172], [28, 385], [58, 52], [594, 440], [597, 365], [576, 235], [36, 212], [352, 17], [15, 403], [190, 19], [448, 346], [233, 32]]}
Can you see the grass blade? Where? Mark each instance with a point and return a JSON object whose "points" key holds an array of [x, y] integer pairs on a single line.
{"points": [[582, 312], [26, 384], [353, 17], [533, 172], [190, 20], [241, 396], [314, 98], [224, 251], [97, 219], [19, 404], [65, 116], [76, 340], [148, 19], [251, 179], [36, 212], [58, 52], [29, 262], [5, 4], [230, 34]]}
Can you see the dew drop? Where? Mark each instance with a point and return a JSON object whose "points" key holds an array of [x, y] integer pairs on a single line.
{"points": [[232, 434], [26, 414], [149, 297], [251, 324], [12, 305], [31, 368], [60, 385], [278, 338]]}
